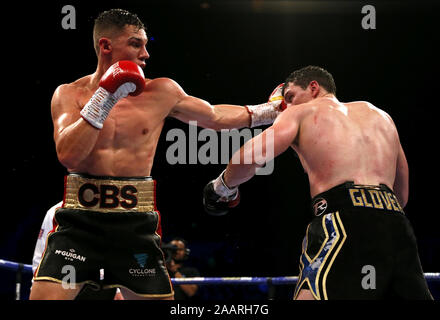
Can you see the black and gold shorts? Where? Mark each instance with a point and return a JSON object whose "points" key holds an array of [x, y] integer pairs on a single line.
{"points": [[360, 245], [107, 234]]}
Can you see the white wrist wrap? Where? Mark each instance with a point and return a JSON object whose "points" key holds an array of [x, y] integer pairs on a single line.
{"points": [[222, 189], [263, 114], [102, 101]]}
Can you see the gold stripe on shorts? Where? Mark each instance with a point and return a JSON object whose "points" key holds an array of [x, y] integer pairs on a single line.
{"points": [[109, 195]]}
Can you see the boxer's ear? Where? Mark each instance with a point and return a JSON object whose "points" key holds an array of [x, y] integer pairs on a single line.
{"points": [[105, 45], [314, 88]]}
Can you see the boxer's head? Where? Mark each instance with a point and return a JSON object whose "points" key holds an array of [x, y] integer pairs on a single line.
{"points": [[307, 84], [120, 35]]}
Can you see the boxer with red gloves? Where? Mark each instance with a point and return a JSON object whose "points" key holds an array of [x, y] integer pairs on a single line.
{"points": [[106, 130]]}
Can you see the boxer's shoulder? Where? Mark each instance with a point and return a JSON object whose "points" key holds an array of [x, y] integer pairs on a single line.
{"points": [[75, 94], [298, 112], [79, 86], [163, 85]]}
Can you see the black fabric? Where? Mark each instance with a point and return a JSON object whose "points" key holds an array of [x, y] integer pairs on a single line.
{"points": [[124, 244], [360, 245], [89, 293]]}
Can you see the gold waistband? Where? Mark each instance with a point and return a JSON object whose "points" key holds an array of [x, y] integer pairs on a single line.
{"points": [[109, 194]]}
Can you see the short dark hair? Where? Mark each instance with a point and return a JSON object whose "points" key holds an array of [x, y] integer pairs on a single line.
{"points": [[113, 20], [181, 240], [304, 76]]}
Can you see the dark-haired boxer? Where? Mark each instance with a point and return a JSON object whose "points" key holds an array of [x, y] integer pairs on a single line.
{"points": [[106, 129], [359, 245]]}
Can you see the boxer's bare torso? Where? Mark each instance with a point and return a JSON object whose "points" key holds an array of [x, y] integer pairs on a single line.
{"points": [[338, 142], [126, 144]]}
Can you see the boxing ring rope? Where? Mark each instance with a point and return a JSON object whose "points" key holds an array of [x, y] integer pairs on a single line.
{"points": [[21, 268]]}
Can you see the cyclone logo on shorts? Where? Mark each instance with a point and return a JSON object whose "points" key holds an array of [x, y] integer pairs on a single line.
{"points": [[319, 206]]}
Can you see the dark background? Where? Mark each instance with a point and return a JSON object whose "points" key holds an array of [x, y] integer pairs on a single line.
{"points": [[224, 52]]}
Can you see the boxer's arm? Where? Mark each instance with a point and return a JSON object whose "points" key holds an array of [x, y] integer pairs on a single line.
{"points": [[217, 117], [221, 116], [266, 146], [222, 194], [401, 182], [74, 137]]}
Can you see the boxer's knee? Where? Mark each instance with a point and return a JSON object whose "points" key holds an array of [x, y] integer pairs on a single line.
{"points": [[305, 294]]}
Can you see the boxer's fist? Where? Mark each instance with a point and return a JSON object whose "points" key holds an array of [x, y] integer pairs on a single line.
{"points": [[266, 113], [121, 79], [218, 198], [276, 96], [123, 72]]}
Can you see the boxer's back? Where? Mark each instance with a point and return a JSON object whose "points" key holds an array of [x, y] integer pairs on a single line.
{"points": [[340, 142]]}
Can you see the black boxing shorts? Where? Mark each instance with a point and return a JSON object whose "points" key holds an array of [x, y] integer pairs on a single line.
{"points": [[107, 234], [360, 246]]}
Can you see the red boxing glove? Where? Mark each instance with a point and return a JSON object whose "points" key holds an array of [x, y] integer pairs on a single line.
{"points": [[122, 72], [121, 79]]}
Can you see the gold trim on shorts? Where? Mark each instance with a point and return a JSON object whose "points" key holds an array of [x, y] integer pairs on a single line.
{"points": [[316, 277], [96, 286], [109, 194]]}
